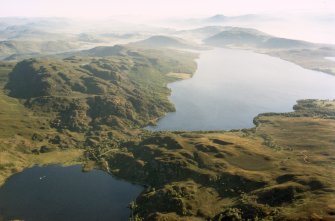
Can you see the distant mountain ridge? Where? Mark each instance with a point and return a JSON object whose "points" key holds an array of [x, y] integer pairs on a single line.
{"points": [[19, 48], [222, 18], [252, 37], [163, 41]]}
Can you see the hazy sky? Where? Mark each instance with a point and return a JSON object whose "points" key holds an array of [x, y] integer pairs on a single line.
{"points": [[157, 8]]}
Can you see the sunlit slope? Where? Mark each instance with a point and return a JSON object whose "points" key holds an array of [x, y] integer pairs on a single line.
{"points": [[121, 88], [23, 133]]}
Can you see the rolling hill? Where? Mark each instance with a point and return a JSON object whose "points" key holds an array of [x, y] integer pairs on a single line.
{"points": [[238, 36], [235, 36], [21, 48], [161, 41], [99, 85]]}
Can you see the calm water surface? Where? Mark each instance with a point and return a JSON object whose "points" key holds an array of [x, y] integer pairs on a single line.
{"points": [[65, 193], [231, 87]]}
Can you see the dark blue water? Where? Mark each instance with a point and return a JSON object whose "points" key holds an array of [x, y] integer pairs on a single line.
{"points": [[231, 87], [65, 193]]}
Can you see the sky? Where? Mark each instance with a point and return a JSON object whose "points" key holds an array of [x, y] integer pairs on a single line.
{"points": [[158, 8]]}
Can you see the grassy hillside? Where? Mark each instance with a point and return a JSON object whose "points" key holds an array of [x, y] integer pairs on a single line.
{"points": [[24, 133], [120, 88], [53, 108]]}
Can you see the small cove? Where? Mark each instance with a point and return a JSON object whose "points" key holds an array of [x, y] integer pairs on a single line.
{"points": [[66, 193]]}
